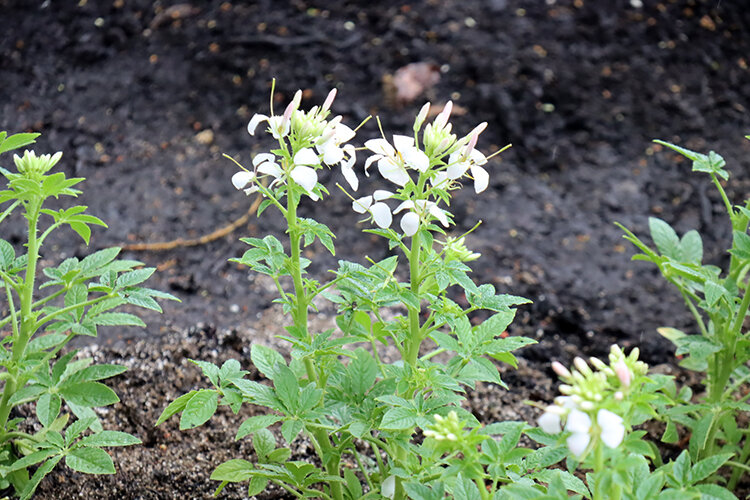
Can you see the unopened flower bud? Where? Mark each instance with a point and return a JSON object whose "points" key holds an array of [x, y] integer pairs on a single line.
{"points": [[422, 116], [442, 118], [560, 370], [329, 100], [581, 365], [623, 373]]}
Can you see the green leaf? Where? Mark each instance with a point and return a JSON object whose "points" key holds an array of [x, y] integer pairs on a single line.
{"points": [[257, 486], [266, 360], [287, 388], [174, 407], [47, 408], [32, 459], [665, 238], [711, 163], [98, 372], [117, 319], [109, 438], [233, 471], [89, 394], [465, 489], [399, 419], [135, 277], [199, 409], [290, 430], [210, 370], [254, 424], [740, 245], [15, 141], [264, 443], [42, 471], [90, 461], [97, 260], [704, 468], [7, 255], [691, 246], [714, 492]]}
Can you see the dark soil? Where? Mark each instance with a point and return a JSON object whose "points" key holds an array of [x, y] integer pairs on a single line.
{"points": [[143, 97]]}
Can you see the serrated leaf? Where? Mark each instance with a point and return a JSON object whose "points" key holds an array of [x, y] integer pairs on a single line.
{"points": [[399, 419], [174, 407], [109, 438], [704, 468], [665, 238], [90, 461], [7, 255], [210, 370], [254, 424], [199, 409], [42, 471], [48, 408], [691, 247], [256, 486], [15, 141], [135, 277], [264, 443], [266, 360], [117, 319], [89, 394], [233, 471]]}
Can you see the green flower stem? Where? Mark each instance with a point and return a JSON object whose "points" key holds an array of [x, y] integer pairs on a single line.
{"points": [[415, 334], [363, 469], [28, 323], [327, 453]]}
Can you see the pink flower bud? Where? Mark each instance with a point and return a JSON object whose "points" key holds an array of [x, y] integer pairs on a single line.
{"points": [[329, 100], [623, 373], [560, 370], [442, 118]]}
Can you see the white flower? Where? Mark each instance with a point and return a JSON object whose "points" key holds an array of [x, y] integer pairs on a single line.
{"points": [[242, 179], [278, 126], [392, 162], [424, 206], [612, 429], [410, 224], [549, 422], [302, 174], [579, 425], [265, 163], [380, 212], [469, 158], [330, 146]]}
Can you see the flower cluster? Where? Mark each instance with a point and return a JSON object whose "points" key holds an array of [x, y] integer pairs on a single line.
{"points": [[589, 396], [308, 140], [34, 166], [422, 175]]}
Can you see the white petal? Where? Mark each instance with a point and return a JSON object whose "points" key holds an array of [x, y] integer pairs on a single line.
{"points": [[350, 176], [403, 142], [351, 152], [477, 158], [305, 177], [254, 122], [332, 154], [578, 422], [381, 214], [252, 189], [612, 436], [410, 223], [456, 167], [606, 419], [344, 133], [408, 204], [360, 205], [481, 178], [242, 179], [369, 161], [270, 168], [578, 442], [416, 159], [393, 172], [550, 423], [439, 214], [263, 157], [306, 156], [440, 180], [380, 146], [279, 126], [382, 194]]}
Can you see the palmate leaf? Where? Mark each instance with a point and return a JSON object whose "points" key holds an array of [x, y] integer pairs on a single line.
{"points": [[711, 163]]}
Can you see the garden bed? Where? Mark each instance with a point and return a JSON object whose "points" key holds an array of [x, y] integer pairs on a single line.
{"points": [[143, 97]]}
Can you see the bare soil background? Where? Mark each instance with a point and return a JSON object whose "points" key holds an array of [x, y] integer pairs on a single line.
{"points": [[144, 96]]}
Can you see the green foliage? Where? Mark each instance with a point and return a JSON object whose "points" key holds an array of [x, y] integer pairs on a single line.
{"points": [[80, 296], [718, 300]]}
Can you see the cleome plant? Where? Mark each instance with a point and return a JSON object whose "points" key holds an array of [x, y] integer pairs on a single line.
{"points": [[41, 315], [378, 396], [720, 348], [338, 390]]}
